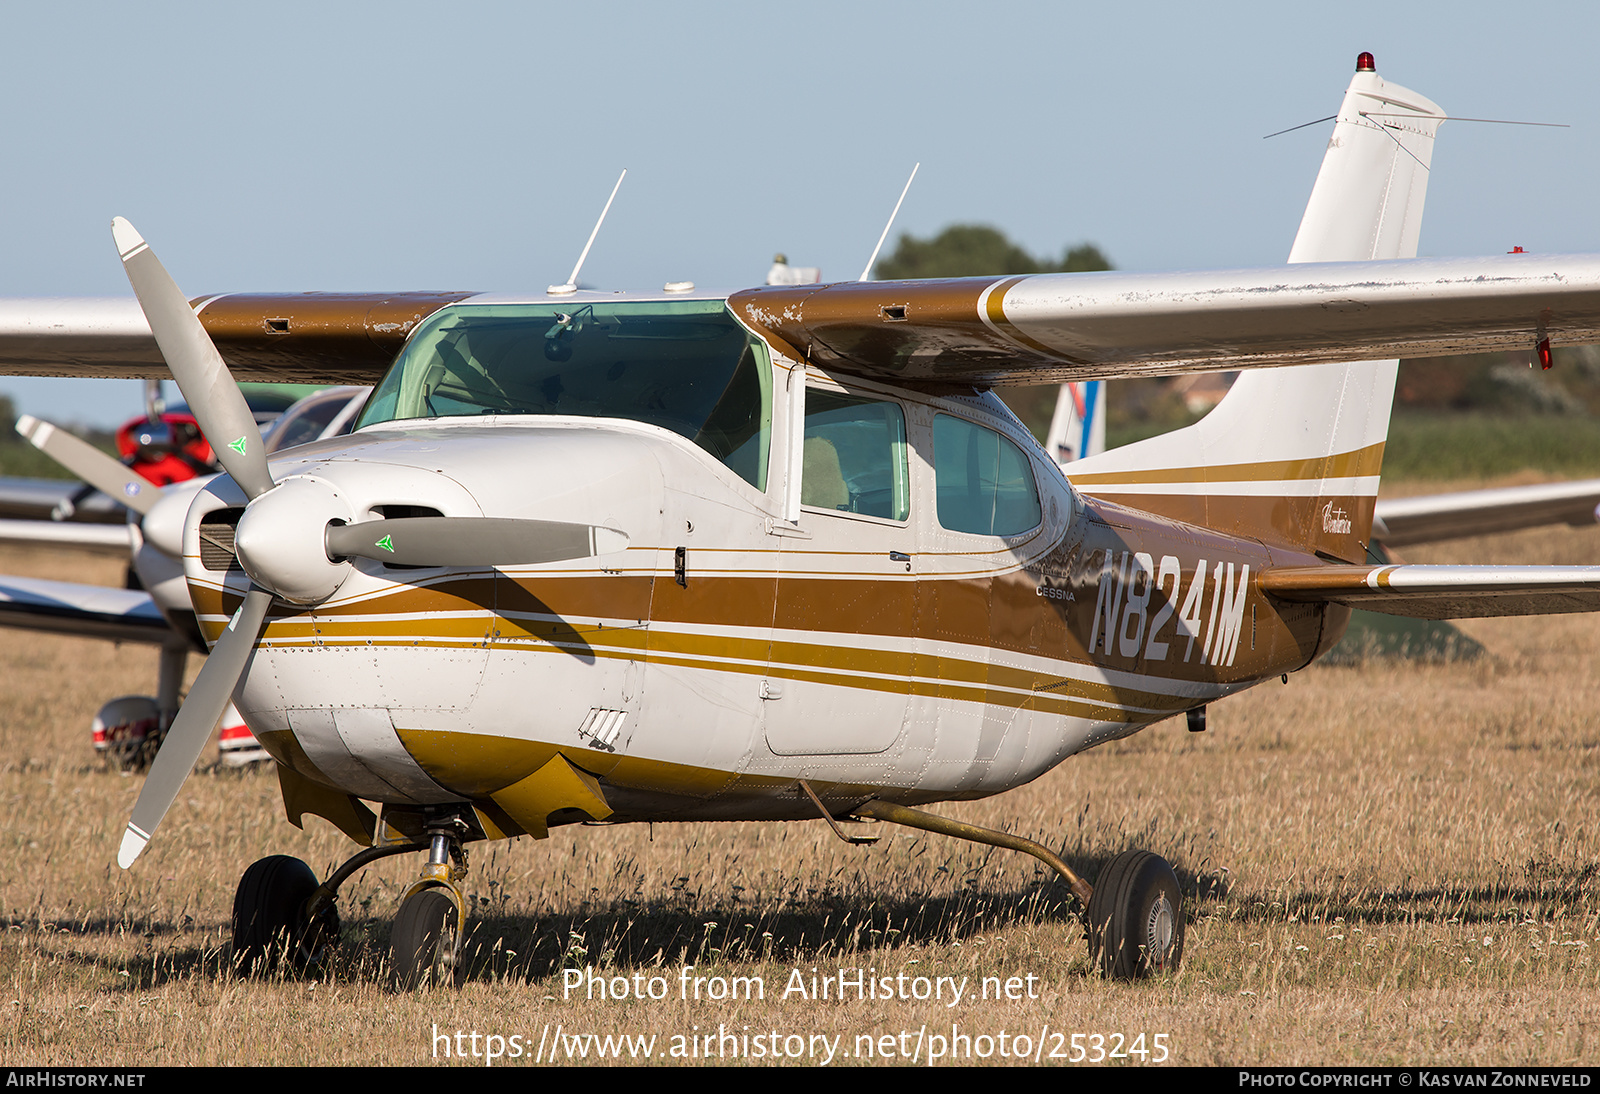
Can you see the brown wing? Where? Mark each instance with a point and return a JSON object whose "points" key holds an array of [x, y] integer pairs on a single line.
{"points": [[318, 338]]}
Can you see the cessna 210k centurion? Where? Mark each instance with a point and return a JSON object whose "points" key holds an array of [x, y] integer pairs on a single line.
{"points": [[782, 553]]}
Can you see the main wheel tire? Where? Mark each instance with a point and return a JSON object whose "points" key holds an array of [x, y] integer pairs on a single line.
{"points": [[269, 918], [1136, 917], [422, 946]]}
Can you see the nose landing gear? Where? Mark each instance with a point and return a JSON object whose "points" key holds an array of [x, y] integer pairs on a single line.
{"points": [[281, 914], [425, 945]]}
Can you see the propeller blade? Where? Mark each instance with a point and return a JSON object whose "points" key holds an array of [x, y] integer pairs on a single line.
{"points": [[105, 473], [191, 729], [207, 385], [470, 541]]}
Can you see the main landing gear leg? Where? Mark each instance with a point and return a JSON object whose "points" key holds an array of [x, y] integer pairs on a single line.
{"points": [[1134, 912]]}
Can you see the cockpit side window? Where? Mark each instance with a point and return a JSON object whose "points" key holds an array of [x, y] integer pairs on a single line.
{"points": [[682, 365], [983, 482], [854, 456]]}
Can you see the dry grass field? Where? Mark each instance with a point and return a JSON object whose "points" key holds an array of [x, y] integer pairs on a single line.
{"points": [[1393, 863]]}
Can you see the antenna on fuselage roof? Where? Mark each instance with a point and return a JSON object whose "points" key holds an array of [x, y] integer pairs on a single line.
{"points": [[873, 260], [572, 280]]}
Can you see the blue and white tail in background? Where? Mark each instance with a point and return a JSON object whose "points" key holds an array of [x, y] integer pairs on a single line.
{"points": [[1078, 426]]}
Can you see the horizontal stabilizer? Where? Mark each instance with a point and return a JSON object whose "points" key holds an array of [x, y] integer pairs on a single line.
{"points": [[1400, 521], [1442, 592]]}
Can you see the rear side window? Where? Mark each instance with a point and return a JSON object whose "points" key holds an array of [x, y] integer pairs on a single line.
{"points": [[984, 482]]}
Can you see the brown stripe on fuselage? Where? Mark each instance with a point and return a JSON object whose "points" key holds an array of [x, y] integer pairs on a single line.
{"points": [[830, 660], [1296, 523], [1047, 610], [471, 594]]}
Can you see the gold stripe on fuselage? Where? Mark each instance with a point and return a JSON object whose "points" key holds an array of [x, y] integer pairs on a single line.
{"points": [[1360, 463]]}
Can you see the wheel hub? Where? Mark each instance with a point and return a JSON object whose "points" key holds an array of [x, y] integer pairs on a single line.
{"points": [[1158, 931]]}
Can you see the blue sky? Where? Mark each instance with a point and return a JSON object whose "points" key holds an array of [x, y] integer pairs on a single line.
{"points": [[292, 146]]}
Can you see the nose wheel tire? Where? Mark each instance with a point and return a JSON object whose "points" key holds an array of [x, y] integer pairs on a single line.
{"points": [[270, 925], [425, 943], [1136, 917]]}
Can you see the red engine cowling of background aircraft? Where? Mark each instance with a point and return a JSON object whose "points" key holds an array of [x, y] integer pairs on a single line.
{"points": [[166, 452]]}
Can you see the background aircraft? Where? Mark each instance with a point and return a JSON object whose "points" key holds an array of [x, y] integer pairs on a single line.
{"points": [[155, 608], [1078, 426]]}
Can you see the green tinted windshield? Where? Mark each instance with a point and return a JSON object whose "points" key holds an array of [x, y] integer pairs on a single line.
{"points": [[683, 365]]}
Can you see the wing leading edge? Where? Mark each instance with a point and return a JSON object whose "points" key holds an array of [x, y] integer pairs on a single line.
{"points": [[1041, 328], [313, 337], [121, 615]]}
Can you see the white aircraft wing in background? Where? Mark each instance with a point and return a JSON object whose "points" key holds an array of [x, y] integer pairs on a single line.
{"points": [[121, 615]]}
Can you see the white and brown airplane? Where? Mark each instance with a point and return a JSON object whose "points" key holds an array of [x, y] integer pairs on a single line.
{"points": [[782, 552]]}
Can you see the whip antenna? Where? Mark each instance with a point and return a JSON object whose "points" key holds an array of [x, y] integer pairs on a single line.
{"points": [[887, 226], [572, 280]]}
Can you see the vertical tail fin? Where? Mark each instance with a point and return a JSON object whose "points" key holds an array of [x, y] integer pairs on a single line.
{"points": [[1292, 454]]}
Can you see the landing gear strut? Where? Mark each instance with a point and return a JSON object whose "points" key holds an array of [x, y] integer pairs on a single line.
{"points": [[1134, 911], [425, 945], [280, 912]]}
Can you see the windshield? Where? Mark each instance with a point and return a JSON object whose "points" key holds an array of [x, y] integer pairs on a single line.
{"points": [[683, 365]]}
